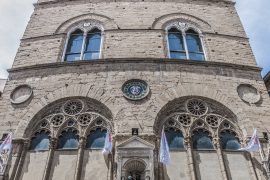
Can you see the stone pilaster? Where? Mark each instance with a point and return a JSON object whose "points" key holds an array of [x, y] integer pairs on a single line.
{"points": [[26, 144]]}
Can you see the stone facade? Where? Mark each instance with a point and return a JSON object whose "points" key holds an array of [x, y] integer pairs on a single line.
{"points": [[134, 46], [267, 81], [2, 85]]}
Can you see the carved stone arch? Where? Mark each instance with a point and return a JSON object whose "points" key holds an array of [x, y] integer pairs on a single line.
{"points": [[163, 21], [169, 95], [97, 96], [232, 126], [107, 124], [177, 125], [105, 22], [135, 163], [194, 126]]}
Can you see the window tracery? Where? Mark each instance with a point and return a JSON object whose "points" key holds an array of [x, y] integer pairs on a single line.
{"points": [[96, 138], [69, 120], [40, 140], [185, 41], [203, 122], [69, 139]]}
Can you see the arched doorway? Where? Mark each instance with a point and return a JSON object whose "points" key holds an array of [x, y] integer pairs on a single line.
{"points": [[135, 170]]}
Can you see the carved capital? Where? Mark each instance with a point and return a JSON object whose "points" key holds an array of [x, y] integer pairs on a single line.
{"points": [[53, 143], [82, 142]]}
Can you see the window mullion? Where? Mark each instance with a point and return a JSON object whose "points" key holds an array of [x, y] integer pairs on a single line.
{"points": [[203, 47], [185, 44], [83, 45]]}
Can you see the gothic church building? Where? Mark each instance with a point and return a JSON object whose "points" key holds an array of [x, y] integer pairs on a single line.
{"points": [[133, 68]]}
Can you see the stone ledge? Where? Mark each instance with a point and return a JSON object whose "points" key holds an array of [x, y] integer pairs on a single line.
{"points": [[136, 60]]}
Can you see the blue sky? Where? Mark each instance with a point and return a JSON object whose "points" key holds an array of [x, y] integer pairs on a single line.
{"points": [[255, 16]]}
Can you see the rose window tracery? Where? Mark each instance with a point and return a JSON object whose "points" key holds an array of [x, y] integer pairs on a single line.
{"points": [[57, 120], [184, 119], [212, 120], [73, 107], [85, 119], [196, 107]]}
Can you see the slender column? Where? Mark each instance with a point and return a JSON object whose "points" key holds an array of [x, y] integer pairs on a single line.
{"points": [[19, 153], [53, 144], [185, 44], [83, 45], [203, 46], [221, 159], [190, 158], [78, 171], [25, 148]]}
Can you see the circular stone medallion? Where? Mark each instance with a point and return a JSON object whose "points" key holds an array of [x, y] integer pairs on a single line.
{"points": [[21, 94], [248, 93], [135, 89]]}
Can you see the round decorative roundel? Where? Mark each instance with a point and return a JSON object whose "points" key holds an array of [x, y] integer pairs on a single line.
{"points": [[196, 107], [248, 93], [135, 89], [21, 94], [73, 107]]}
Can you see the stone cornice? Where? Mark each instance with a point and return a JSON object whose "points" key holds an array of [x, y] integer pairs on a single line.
{"points": [[137, 61], [53, 3]]}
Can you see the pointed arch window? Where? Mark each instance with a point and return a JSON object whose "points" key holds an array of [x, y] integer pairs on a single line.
{"points": [[185, 43], [68, 139], [83, 45], [175, 139], [229, 140], [96, 139], [202, 140], [40, 141]]}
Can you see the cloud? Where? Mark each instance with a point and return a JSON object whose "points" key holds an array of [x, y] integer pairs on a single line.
{"points": [[13, 20], [16, 13], [254, 15]]}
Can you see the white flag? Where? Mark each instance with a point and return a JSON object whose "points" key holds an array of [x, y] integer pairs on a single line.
{"points": [[5, 150], [254, 143], [108, 144], [164, 152]]}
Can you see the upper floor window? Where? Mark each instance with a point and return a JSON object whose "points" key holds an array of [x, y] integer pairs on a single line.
{"points": [[84, 43], [184, 42]]}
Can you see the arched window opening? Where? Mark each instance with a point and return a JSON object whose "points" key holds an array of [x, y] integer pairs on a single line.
{"points": [[201, 140], [194, 46], [96, 139], [229, 140], [175, 139], [74, 47], [83, 46], [92, 47], [176, 44], [40, 141], [68, 139], [184, 43]]}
